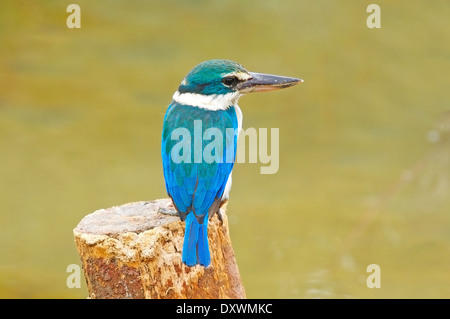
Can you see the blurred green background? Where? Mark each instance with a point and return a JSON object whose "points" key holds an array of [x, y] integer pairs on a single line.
{"points": [[364, 172]]}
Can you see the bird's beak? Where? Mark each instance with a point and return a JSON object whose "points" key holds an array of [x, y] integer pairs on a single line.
{"points": [[260, 82]]}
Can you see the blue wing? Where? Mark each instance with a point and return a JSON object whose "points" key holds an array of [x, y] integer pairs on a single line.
{"points": [[196, 186]]}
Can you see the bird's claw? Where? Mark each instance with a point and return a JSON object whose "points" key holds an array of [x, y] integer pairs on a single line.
{"points": [[219, 214], [168, 211]]}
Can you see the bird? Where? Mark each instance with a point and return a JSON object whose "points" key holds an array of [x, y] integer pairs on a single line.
{"points": [[198, 176]]}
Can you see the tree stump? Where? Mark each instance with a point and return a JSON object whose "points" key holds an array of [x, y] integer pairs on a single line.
{"points": [[134, 251]]}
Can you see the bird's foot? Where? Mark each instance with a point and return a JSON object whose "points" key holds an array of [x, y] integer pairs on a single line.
{"points": [[168, 211], [219, 214]]}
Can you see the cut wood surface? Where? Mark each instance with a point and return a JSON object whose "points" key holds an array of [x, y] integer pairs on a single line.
{"points": [[134, 251]]}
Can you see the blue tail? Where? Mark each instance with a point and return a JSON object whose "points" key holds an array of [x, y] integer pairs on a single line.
{"points": [[195, 246]]}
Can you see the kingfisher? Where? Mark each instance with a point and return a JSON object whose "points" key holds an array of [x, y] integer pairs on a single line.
{"points": [[197, 172]]}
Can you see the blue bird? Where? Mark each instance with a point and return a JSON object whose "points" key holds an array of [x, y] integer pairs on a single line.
{"points": [[198, 174]]}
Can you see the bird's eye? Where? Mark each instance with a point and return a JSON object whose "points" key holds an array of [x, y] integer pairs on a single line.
{"points": [[230, 81]]}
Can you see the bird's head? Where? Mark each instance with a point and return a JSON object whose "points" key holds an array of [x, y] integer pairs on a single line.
{"points": [[218, 84]]}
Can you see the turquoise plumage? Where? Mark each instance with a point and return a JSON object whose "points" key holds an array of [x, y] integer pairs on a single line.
{"points": [[194, 187]]}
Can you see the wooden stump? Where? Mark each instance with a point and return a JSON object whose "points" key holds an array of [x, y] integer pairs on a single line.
{"points": [[133, 251]]}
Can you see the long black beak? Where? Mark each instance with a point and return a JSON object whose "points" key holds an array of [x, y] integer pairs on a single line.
{"points": [[260, 82]]}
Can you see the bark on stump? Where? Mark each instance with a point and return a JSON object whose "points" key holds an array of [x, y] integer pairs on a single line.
{"points": [[133, 251]]}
